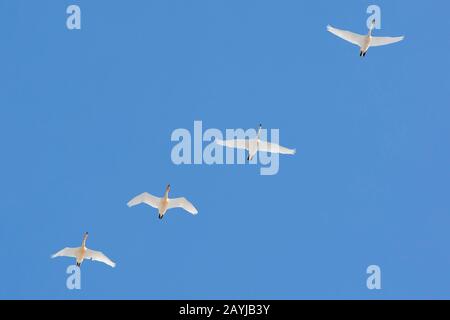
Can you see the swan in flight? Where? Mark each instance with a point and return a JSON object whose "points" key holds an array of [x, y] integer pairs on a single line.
{"points": [[163, 204], [82, 253], [364, 41], [254, 145]]}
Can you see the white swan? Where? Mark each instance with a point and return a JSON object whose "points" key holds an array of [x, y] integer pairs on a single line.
{"points": [[163, 204], [364, 41], [82, 253], [254, 145]]}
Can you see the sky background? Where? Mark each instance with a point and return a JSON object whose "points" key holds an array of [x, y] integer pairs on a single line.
{"points": [[85, 124]]}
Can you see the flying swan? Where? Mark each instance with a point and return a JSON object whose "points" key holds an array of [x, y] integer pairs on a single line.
{"points": [[163, 204], [364, 42], [82, 253], [254, 145]]}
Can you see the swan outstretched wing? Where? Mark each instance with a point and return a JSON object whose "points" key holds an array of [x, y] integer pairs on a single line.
{"points": [[265, 146], [182, 203], [146, 198], [382, 41], [67, 252], [234, 143], [349, 36], [98, 256]]}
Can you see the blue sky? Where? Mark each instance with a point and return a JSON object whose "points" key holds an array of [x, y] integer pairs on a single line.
{"points": [[85, 124]]}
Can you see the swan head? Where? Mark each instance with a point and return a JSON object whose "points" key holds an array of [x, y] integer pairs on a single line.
{"points": [[168, 187]]}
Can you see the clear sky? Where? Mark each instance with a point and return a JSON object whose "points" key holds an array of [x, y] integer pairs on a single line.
{"points": [[85, 123]]}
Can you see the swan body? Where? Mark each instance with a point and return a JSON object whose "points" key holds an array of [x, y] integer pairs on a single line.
{"points": [[163, 204], [253, 146], [364, 41], [82, 253]]}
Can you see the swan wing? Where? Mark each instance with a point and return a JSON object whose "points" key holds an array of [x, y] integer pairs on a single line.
{"points": [[349, 36], [98, 256], [146, 198], [265, 146], [382, 41], [67, 252], [182, 203], [234, 143]]}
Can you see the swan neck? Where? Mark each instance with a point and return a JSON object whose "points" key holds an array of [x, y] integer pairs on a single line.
{"points": [[84, 241], [372, 26]]}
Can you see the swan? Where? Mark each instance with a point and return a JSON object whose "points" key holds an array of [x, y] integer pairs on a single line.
{"points": [[163, 204], [364, 41], [254, 145], [82, 253]]}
